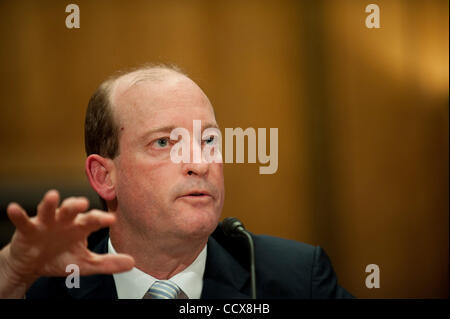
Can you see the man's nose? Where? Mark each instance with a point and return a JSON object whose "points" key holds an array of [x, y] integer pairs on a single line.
{"points": [[197, 165], [199, 169]]}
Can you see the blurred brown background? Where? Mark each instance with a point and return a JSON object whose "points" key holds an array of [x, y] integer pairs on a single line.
{"points": [[362, 116]]}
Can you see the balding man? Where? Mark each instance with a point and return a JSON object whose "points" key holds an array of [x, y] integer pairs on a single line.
{"points": [[162, 215]]}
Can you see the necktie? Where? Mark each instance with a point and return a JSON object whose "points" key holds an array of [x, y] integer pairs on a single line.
{"points": [[165, 289]]}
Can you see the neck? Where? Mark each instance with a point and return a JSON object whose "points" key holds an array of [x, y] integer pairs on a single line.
{"points": [[162, 259]]}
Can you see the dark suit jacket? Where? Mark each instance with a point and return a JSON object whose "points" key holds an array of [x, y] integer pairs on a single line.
{"points": [[284, 269]]}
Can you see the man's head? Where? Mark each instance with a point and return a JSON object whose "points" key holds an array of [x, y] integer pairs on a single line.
{"points": [[128, 125]]}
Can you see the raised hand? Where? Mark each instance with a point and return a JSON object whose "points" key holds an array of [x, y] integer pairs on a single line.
{"points": [[56, 237]]}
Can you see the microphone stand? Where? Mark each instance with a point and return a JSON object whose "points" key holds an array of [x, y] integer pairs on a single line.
{"points": [[233, 227]]}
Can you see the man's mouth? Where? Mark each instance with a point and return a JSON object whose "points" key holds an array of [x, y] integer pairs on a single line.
{"points": [[196, 194]]}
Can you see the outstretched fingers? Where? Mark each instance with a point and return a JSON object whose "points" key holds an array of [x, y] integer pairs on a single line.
{"points": [[19, 218], [47, 207], [94, 220], [70, 208], [107, 264]]}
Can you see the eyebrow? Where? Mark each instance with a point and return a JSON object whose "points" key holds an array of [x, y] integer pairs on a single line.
{"points": [[209, 125], [170, 128]]}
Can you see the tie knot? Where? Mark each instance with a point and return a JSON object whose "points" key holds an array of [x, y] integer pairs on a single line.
{"points": [[163, 289]]}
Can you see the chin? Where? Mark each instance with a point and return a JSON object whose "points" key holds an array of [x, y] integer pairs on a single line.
{"points": [[198, 224]]}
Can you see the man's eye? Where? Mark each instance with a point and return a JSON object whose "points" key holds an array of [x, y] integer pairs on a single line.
{"points": [[210, 140], [162, 142]]}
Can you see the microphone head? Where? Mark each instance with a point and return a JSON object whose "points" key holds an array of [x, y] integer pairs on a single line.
{"points": [[232, 226]]}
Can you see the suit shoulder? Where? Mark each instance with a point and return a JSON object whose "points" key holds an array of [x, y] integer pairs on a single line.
{"points": [[284, 267], [294, 269], [275, 248]]}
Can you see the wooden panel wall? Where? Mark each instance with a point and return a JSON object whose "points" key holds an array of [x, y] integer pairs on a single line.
{"points": [[362, 116]]}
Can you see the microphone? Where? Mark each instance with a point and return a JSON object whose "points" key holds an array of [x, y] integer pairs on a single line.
{"points": [[233, 227]]}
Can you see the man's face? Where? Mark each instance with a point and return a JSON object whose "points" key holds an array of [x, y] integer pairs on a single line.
{"points": [[153, 193]]}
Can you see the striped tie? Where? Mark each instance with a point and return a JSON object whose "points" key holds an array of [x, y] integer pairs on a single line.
{"points": [[164, 289]]}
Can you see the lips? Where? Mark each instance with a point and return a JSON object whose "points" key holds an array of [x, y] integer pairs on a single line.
{"points": [[196, 194]]}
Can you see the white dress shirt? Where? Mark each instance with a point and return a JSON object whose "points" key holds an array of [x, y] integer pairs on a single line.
{"points": [[134, 283]]}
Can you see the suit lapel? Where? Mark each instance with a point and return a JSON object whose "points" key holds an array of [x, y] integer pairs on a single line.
{"points": [[224, 277]]}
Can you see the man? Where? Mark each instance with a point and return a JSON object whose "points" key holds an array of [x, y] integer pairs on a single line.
{"points": [[161, 214]]}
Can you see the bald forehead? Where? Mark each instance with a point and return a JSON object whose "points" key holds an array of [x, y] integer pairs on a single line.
{"points": [[154, 76], [147, 88]]}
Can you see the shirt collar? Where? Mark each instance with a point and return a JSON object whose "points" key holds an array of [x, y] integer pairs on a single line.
{"points": [[134, 283]]}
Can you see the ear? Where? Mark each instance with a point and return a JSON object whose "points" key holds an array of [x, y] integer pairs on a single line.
{"points": [[100, 172]]}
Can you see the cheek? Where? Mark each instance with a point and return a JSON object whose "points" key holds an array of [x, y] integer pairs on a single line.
{"points": [[216, 177], [144, 178], [217, 173]]}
